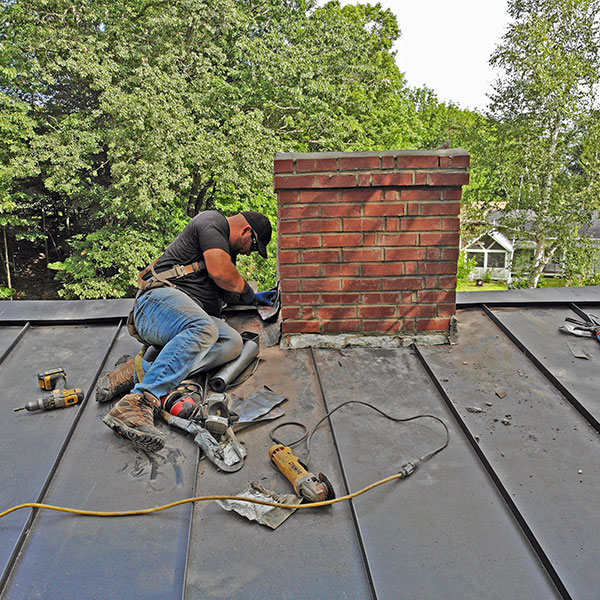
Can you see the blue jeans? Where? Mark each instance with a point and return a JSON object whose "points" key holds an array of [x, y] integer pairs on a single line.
{"points": [[191, 339]]}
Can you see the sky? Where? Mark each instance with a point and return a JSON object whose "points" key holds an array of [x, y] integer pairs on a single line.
{"points": [[446, 45]]}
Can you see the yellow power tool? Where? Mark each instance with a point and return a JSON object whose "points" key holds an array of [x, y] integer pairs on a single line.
{"points": [[306, 484]]}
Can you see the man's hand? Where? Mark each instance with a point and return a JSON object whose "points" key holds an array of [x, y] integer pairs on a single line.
{"points": [[266, 298]]}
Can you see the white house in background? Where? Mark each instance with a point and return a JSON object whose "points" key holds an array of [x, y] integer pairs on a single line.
{"points": [[493, 253]]}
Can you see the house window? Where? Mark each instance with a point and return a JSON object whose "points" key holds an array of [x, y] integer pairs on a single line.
{"points": [[496, 260], [478, 256]]}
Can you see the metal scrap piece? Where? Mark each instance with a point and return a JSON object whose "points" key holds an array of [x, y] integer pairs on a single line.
{"points": [[577, 351], [257, 405], [270, 516]]}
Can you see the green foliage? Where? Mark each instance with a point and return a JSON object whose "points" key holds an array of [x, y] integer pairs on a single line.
{"points": [[6, 293], [544, 124], [582, 263], [465, 267]]}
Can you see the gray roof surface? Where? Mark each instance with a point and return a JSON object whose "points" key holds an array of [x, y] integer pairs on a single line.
{"points": [[508, 510]]}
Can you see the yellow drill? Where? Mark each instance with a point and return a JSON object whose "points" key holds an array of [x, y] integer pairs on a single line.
{"points": [[53, 382]]}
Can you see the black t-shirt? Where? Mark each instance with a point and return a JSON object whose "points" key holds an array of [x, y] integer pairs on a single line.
{"points": [[208, 229]]}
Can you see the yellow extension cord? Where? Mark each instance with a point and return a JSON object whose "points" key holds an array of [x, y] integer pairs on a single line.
{"points": [[147, 511]]}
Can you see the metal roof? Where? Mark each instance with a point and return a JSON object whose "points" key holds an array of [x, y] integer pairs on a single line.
{"points": [[508, 510]]}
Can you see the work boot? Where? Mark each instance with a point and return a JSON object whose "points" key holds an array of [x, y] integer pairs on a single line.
{"points": [[184, 401], [133, 418], [117, 382]]}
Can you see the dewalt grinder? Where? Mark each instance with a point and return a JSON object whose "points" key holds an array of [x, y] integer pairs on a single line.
{"points": [[306, 484]]}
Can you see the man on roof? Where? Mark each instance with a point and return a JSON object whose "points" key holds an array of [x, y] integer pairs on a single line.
{"points": [[177, 308]]}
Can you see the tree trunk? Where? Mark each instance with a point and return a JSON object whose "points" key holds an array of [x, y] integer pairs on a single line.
{"points": [[541, 259], [6, 259]]}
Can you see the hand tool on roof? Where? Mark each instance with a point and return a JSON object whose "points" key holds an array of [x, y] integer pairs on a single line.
{"points": [[305, 483], [588, 327], [212, 429], [54, 399], [53, 379]]}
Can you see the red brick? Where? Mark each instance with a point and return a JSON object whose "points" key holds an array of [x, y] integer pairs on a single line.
{"points": [[300, 241], [392, 224], [337, 312], [284, 166], [300, 327], [437, 268], [382, 269], [361, 285], [417, 310], [414, 208], [419, 194], [454, 193], [300, 212], [440, 208], [320, 256], [363, 224], [351, 163], [433, 253], [290, 285], [381, 298], [397, 239], [300, 270], [340, 270], [289, 226], [404, 253], [388, 162], [300, 299], [341, 210], [321, 225], [316, 165], [462, 161], [288, 256], [448, 179], [417, 162], [287, 197], [376, 312], [362, 195], [382, 179], [364, 180], [436, 296], [451, 224], [291, 312], [341, 298], [422, 178], [448, 282], [383, 326], [446, 310], [362, 254], [347, 326], [450, 254], [384, 209], [295, 182], [320, 285], [319, 196], [445, 162], [411, 268], [402, 283], [369, 239], [433, 324], [410, 325], [348, 239], [335, 181], [421, 224], [439, 239], [391, 195]]}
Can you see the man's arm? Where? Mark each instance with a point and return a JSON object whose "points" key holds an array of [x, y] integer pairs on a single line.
{"points": [[223, 272]]}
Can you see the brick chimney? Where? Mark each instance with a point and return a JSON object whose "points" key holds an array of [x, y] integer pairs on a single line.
{"points": [[368, 245]]}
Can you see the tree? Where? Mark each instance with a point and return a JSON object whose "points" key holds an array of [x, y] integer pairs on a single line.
{"points": [[143, 113], [541, 112]]}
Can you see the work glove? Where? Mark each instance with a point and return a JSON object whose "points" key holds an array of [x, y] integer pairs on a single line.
{"points": [[266, 298], [248, 296]]}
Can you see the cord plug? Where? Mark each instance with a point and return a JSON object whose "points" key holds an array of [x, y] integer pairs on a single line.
{"points": [[407, 469]]}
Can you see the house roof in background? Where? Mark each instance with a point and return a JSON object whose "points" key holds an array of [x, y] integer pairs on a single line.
{"points": [[508, 510]]}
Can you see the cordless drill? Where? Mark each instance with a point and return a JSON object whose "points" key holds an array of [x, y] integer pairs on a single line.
{"points": [[54, 381], [305, 483]]}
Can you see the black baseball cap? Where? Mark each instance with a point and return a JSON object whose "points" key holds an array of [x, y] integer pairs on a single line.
{"points": [[262, 228]]}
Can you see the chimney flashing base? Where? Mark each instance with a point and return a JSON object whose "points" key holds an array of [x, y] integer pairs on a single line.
{"points": [[317, 340]]}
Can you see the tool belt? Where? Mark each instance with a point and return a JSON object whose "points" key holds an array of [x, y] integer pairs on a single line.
{"points": [[155, 281]]}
